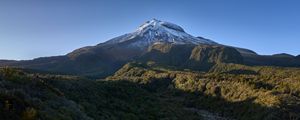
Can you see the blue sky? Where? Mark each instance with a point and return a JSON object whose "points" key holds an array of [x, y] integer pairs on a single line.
{"points": [[36, 28]]}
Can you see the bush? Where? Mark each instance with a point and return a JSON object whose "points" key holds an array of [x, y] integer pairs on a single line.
{"points": [[29, 114]]}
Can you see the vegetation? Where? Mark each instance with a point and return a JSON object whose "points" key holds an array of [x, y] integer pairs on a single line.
{"points": [[238, 91], [28, 96], [150, 91]]}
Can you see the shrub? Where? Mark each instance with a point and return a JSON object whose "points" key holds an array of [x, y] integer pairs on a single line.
{"points": [[29, 114]]}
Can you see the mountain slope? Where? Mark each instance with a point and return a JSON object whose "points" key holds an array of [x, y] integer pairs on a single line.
{"points": [[196, 57]]}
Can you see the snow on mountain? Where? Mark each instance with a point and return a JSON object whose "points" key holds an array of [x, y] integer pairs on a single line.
{"points": [[156, 32]]}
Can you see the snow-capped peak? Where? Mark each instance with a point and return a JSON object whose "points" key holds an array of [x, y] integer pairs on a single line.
{"points": [[157, 32], [156, 24]]}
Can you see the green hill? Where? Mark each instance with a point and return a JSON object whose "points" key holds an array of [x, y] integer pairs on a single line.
{"points": [[196, 57]]}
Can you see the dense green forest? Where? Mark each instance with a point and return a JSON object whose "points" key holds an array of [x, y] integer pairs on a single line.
{"points": [[149, 91], [238, 91], [30, 96]]}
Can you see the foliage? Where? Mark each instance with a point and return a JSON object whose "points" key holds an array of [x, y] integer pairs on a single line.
{"points": [[150, 91], [260, 92], [60, 97]]}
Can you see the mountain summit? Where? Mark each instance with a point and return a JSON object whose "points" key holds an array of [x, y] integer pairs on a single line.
{"points": [[158, 32]]}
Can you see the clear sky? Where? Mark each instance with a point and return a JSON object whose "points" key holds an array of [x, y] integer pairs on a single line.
{"points": [[36, 28]]}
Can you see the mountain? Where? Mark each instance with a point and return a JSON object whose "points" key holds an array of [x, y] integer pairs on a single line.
{"points": [[105, 58]]}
